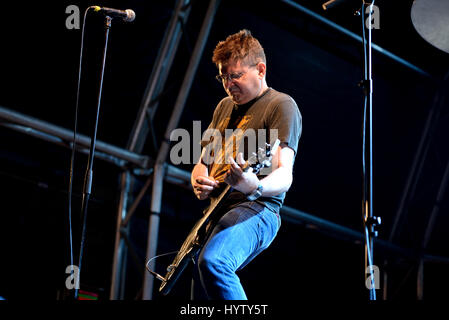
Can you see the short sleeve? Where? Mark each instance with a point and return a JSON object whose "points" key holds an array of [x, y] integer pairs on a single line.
{"points": [[287, 119], [212, 125]]}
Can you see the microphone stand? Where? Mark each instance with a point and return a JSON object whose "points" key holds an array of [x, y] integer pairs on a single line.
{"points": [[369, 220], [89, 172]]}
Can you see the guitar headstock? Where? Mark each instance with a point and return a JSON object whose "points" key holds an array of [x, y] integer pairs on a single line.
{"points": [[262, 159]]}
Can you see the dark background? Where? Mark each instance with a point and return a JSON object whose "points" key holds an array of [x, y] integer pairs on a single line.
{"points": [[318, 66]]}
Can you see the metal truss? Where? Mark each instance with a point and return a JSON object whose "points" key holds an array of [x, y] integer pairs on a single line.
{"points": [[425, 173]]}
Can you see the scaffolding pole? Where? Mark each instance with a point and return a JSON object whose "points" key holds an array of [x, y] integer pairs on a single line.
{"points": [[137, 139], [55, 134], [159, 75], [156, 198]]}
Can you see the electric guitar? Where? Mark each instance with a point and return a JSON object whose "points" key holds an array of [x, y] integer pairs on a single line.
{"points": [[201, 230]]}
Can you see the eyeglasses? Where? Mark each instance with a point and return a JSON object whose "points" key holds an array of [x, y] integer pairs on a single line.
{"points": [[232, 76]]}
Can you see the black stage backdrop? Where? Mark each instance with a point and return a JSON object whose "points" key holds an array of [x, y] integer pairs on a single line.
{"points": [[318, 66]]}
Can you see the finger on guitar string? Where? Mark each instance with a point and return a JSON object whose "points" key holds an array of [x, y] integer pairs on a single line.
{"points": [[235, 168], [240, 161], [202, 180], [231, 178], [203, 187]]}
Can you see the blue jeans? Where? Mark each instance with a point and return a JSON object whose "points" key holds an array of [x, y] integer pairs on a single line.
{"points": [[240, 235]]}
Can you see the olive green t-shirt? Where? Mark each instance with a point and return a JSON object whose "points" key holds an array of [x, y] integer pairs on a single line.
{"points": [[247, 127]]}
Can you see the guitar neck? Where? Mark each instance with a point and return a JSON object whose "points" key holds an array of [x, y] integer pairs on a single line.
{"points": [[224, 192], [215, 202]]}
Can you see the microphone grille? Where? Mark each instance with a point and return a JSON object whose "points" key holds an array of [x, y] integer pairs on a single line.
{"points": [[130, 15]]}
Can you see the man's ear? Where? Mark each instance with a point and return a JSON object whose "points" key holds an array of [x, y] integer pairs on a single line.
{"points": [[262, 68]]}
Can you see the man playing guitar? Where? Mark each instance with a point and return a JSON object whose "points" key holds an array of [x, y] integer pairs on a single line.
{"points": [[251, 212]]}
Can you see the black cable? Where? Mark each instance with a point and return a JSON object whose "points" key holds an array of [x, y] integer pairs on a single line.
{"points": [[367, 90]]}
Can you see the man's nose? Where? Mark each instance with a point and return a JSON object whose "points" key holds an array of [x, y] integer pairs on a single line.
{"points": [[228, 82]]}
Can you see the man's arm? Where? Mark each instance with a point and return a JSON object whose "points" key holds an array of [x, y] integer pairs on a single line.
{"points": [[201, 182], [277, 182]]}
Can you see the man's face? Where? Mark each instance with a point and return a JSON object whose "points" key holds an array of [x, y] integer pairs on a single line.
{"points": [[246, 87]]}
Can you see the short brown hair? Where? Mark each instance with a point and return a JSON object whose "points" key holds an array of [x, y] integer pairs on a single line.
{"points": [[240, 46]]}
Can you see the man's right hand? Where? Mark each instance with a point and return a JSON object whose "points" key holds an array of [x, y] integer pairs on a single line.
{"points": [[203, 186]]}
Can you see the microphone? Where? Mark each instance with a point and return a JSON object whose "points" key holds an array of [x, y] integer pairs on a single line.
{"points": [[127, 15]]}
